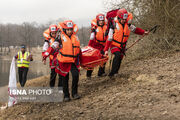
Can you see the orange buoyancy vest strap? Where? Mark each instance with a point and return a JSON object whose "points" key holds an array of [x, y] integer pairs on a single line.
{"points": [[70, 48]]}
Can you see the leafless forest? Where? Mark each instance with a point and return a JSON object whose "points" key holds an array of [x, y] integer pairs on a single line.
{"points": [[147, 13]]}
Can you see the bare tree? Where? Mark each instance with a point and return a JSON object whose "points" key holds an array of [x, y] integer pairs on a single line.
{"points": [[84, 34], [26, 32], [148, 13]]}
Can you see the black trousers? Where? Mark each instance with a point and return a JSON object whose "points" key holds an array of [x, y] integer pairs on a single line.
{"points": [[116, 63], [100, 71], [75, 79], [22, 75], [53, 79]]}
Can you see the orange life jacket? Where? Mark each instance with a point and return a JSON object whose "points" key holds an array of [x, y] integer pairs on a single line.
{"points": [[121, 34], [100, 32], [130, 17], [70, 49], [51, 41], [47, 36]]}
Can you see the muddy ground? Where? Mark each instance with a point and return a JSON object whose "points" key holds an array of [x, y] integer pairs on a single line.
{"points": [[146, 89]]}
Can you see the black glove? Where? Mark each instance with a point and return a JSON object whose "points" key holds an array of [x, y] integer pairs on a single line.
{"points": [[111, 24], [46, 40], [102, 52], [106, 33], [93, 30]]}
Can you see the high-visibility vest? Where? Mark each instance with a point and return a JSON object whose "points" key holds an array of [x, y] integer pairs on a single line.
{"points": [[22, 60], [121, 34], [70, 49], [100, 32]]}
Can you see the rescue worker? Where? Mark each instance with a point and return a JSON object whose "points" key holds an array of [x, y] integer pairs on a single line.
{"points": [[118, 35], [50, 35], [98, 39], [68, 57], [23, 59]]}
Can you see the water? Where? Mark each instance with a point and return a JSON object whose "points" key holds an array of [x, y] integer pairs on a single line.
{"points": [[36, 69]]}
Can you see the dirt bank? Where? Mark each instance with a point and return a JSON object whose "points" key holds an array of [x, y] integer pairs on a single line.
{"points": [[144, 90]]}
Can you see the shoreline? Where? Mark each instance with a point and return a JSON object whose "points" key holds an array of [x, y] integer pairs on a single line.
{"points": [[35, 51]]}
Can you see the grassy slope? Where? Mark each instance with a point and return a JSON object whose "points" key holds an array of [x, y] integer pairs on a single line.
{"points": [[144, 89]]}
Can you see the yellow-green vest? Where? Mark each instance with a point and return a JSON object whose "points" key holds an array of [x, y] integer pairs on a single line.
{"points": [[22, 60]]}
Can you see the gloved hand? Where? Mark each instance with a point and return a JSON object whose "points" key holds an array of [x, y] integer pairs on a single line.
{"points": [[30, 58], [106, 33], [102, 52], [44, 55], [93, 29], [111, 24]]}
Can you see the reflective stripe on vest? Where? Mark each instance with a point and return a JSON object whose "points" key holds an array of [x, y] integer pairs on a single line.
{"points": [[58, 68], [22, 60], [70, 49]]}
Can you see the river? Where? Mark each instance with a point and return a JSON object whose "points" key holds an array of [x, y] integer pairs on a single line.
{"points": [[36, 69]]}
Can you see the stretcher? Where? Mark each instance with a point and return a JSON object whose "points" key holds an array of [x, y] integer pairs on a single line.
{"points": [[92, 58]]}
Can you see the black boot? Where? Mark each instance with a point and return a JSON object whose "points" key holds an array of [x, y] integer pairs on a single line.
{"points": [[101, 71], [76, 96], [66, 87]]}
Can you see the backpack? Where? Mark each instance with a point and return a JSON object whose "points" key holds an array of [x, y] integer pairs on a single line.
{"points": [[112, 14]]}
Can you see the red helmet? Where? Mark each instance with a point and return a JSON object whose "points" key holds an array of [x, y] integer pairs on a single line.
{"points": [[122, 13], [68, 24], [100, 17], [53, 28]]}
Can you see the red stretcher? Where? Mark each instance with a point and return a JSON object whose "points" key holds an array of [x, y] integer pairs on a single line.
{"points": [[92, 58]]}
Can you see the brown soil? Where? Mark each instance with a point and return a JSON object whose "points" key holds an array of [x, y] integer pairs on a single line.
{"points": [[144, 90]]}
